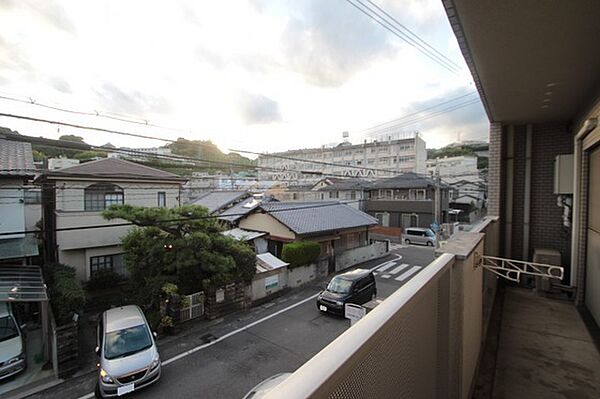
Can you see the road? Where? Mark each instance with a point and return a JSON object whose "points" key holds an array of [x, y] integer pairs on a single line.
{"points": [[239, 353]]}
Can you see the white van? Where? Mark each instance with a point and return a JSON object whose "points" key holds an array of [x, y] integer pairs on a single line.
{"points": [[419, 235], [12, 343]]}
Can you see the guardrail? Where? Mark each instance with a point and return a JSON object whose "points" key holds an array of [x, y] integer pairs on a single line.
{"points": [[421, 342]]}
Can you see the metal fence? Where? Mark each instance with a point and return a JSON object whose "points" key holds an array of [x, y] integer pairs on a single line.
{"points": [[194, 308], [423, 341]]}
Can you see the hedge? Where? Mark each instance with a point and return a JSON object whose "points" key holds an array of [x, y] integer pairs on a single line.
{"points": [[66, 293], [300, 253]]}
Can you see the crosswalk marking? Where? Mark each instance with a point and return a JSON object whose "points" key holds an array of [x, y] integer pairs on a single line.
{"points": [[386, 276], [408, 273], [399, 268], [386, 266]]}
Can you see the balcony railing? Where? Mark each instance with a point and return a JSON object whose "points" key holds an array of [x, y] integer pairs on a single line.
{"points": [[421, 342]]}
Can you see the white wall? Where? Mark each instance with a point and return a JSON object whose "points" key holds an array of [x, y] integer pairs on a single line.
{"points": [[12, 209], [358, 255]]}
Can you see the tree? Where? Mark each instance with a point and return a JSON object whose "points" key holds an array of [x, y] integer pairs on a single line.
{"points": [[182, 246], [71, 137]]}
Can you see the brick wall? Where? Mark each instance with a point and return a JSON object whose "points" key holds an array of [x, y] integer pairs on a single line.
{"points": [[520, 141], [547, 231], [494, 167]]}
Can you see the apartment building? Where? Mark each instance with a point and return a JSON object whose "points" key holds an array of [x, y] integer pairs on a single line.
{"points": [[391, 157], [76, 196]]}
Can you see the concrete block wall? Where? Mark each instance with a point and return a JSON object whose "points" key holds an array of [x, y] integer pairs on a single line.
{"points": [[494, 169]]}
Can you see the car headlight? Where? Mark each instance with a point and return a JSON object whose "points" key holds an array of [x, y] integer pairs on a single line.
{"points": [[155, 363], [105, 377], [16, 358]]}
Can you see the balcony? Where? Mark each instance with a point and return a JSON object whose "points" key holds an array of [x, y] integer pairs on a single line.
{"points": [[428, 339]]}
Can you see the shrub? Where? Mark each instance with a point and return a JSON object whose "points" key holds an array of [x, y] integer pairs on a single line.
{"points": [[66, 293], [300, 253], [102, 279]]}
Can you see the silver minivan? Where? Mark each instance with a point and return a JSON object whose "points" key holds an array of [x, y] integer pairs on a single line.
{"points": [[128, 356], [12, 343], [419, 235]]}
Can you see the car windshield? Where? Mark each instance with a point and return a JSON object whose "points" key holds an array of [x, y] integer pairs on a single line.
{"points": [[127, 342], [429, 233], [339, 286], [8, 328]]}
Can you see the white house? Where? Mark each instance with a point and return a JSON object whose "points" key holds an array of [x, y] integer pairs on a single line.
{"points": [[75, 197]]}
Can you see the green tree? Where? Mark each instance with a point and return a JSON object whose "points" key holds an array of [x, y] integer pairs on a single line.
{"points": [[182, 246], [71, 137]]}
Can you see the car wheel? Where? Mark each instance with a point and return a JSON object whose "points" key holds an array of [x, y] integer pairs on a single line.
{"points": [[97, 392], [407, 241], [429, 244]]}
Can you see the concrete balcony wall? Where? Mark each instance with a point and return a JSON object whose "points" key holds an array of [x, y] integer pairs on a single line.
{"points": [[87, 238], [423, 341]]}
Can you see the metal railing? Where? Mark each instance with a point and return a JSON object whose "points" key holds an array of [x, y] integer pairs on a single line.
{"points": [[423, 341]]}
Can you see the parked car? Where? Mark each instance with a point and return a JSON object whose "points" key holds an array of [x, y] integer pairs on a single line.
{"points": [[12, 343], [127, 353], [356, 286], [262, 389], [419, 235]]}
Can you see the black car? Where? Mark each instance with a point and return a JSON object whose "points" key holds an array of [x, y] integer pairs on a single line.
{"points": [[356, 286]]}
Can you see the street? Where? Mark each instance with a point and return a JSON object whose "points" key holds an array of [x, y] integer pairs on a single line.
{"points": [[277, 337]]}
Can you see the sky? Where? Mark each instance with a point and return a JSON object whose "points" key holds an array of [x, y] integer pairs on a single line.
{"points": [[257, 75]]}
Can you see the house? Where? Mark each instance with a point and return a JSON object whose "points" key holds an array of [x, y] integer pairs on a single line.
{"points": [[350, 190], [255, 239], [407, 200], [74, 198], [218, 201], [231, 216], [17, 209], [336, 227]]}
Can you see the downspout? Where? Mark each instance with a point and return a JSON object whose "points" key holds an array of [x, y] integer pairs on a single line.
{"points": [[527, 193], [508, 213], [588, 126]]}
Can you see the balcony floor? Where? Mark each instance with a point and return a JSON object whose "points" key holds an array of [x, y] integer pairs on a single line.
{"points": [[544, 350]]}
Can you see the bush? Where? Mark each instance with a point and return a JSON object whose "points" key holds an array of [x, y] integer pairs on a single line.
{"points": [[66, 293], [300, 253], [102, 279]]}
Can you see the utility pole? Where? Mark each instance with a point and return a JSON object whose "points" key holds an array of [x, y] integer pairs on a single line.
{"points": [[437, 202]]}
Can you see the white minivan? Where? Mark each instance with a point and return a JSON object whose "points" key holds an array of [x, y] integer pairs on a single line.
{"points": [[128, 358], [419, 235], [12, 343]]}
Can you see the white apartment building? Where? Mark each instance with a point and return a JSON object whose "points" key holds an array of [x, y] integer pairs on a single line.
{"points": [[75, 197], [386, 158], [462, 175], [464, 165]]}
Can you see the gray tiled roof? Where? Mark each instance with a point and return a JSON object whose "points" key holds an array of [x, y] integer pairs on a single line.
{"points": [[405, 180], [316, 217], [242, 208], [16, 159], [115, 168], [347, 184], [217, 200]]}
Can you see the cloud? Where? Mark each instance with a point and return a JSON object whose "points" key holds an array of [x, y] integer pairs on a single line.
{"points": [[116, 99], [329, 41], [60, 84], [258, 109], [54, 14]]}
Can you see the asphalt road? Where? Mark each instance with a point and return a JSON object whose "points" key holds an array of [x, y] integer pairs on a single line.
{"points": [[236, 354]]}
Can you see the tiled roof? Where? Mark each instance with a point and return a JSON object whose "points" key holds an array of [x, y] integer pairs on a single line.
{"points": [[241, 234], [16, 158], [267, 262], [115, 168], [242, 208], [316, 217], [405, 180], [217, 200], [347, 184]]}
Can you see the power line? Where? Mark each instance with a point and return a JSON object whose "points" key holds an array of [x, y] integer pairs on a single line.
{"points": [[381, 20]]}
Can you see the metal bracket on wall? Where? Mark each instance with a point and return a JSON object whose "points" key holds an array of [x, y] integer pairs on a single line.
{"points": [[512, 269]]}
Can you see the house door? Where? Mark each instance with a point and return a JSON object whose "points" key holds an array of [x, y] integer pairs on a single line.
{"points": [[592, 270]]}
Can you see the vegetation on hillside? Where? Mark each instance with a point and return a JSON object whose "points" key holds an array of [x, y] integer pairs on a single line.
{"points": [[466, 149]]}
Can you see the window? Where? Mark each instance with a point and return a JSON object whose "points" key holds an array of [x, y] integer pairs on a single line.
{"points": [[108, 262], [334, 194], [100, 196], [162, 199], [33, 196], [353, 195], [417, 195]]}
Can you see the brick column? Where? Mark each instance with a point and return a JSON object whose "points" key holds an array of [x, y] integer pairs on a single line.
{"points": [[495, 169]]}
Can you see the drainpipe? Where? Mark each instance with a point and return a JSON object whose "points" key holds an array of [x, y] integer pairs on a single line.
{"points": [[508, 212], [587, 127], [527, 194]]}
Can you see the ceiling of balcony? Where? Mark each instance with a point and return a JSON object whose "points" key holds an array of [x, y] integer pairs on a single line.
{"points": [[536, 61]]}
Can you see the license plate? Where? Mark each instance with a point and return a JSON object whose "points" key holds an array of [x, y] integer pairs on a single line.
{"points": [[323, 308], [125, 389]]}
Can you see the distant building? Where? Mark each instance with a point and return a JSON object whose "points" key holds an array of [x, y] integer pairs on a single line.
{"points": [[59, 163], [391, 157], [464, 165], [141, 154]]}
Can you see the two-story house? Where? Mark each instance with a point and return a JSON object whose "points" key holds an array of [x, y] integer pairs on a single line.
{"points": [[16, 170], [73, 201], [407, 200]]}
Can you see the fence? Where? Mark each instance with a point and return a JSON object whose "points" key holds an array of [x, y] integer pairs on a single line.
{"points": [[351, 257], [65, 348], [194, 308], [422, 342]]}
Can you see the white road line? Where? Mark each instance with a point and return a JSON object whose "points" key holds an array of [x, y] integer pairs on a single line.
{"points": [[408, 273], [223, 337], [399, 268], [386, 266]]}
